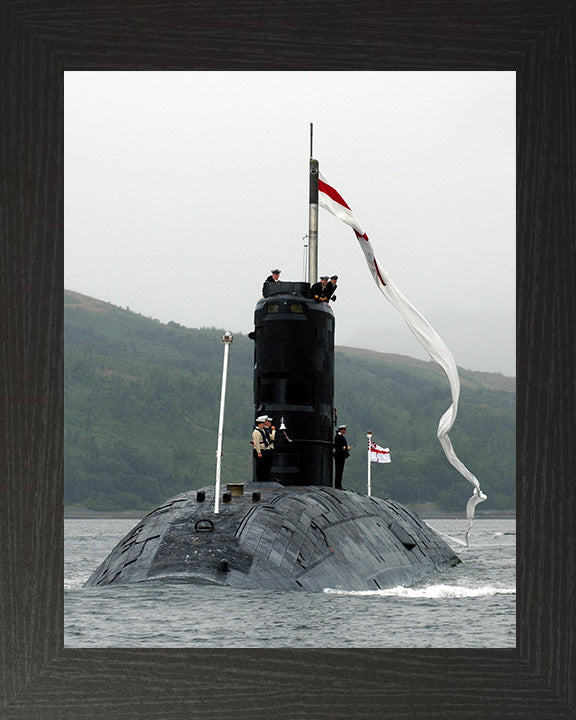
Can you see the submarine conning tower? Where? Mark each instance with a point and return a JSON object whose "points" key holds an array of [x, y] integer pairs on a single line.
{"points": [[294, 381]]}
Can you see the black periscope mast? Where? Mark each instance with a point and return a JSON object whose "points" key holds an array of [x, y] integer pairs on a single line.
{"points": [[294, 532]]}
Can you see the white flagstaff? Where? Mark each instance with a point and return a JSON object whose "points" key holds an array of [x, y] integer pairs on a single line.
{"points": [[369, 436], [227, 339]]}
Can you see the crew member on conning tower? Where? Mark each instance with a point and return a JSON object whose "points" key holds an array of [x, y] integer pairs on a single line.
{"points": [[318, 290], [331, 286], [273, 277]]}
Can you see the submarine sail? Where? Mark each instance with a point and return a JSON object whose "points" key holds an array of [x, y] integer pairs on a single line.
{"points": [[294, 380]]}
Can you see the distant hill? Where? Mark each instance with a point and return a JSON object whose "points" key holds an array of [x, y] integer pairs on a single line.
{"points": [[142, 401]]}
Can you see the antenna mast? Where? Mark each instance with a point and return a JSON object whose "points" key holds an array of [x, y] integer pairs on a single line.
{"points": [[313, 217]]}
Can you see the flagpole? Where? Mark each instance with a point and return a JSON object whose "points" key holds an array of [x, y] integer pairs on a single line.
{"points": [[313, 218], [369, 436], [227, 339]]}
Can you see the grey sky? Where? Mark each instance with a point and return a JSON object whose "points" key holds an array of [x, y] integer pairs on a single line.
{"points": [[184, 189]]}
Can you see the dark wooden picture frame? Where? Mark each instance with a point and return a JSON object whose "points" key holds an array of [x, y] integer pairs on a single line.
{"points": [[40, 40]]}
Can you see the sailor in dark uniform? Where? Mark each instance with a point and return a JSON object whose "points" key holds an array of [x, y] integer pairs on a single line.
{"points": [[318, 290], [270, 431], [273, 277], [331, 287], [341, 452]]}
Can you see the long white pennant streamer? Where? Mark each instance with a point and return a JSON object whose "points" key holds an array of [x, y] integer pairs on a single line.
{"points": [[331, 200]]}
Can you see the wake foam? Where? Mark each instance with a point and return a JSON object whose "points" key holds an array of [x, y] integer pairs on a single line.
{"points": [[431, 591]]}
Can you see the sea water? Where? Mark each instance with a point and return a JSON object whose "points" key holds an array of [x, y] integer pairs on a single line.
{"points": [[469, 606]]}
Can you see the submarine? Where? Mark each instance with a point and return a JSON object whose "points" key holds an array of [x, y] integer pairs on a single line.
{"points": [[293, 530]]}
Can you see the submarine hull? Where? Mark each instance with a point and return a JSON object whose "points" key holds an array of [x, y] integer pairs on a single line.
{"points": [[273, 537]]}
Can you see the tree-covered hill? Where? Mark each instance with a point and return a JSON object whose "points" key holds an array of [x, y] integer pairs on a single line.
{"points": [[142, 401]]}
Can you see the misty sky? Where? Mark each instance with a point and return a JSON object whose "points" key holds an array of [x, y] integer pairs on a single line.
{"points": [[184, 189]]}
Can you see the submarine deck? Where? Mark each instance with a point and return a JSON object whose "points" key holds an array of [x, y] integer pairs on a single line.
{"points": [[299, 538]]}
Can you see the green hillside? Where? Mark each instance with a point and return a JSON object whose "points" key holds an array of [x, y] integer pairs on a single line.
{"points": [[142, 401]]}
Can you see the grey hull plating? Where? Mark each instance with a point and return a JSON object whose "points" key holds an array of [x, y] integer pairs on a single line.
{"points": [[294, 538]]}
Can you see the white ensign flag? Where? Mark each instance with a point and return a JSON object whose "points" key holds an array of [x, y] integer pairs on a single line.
{"points": [[379, 454]]}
